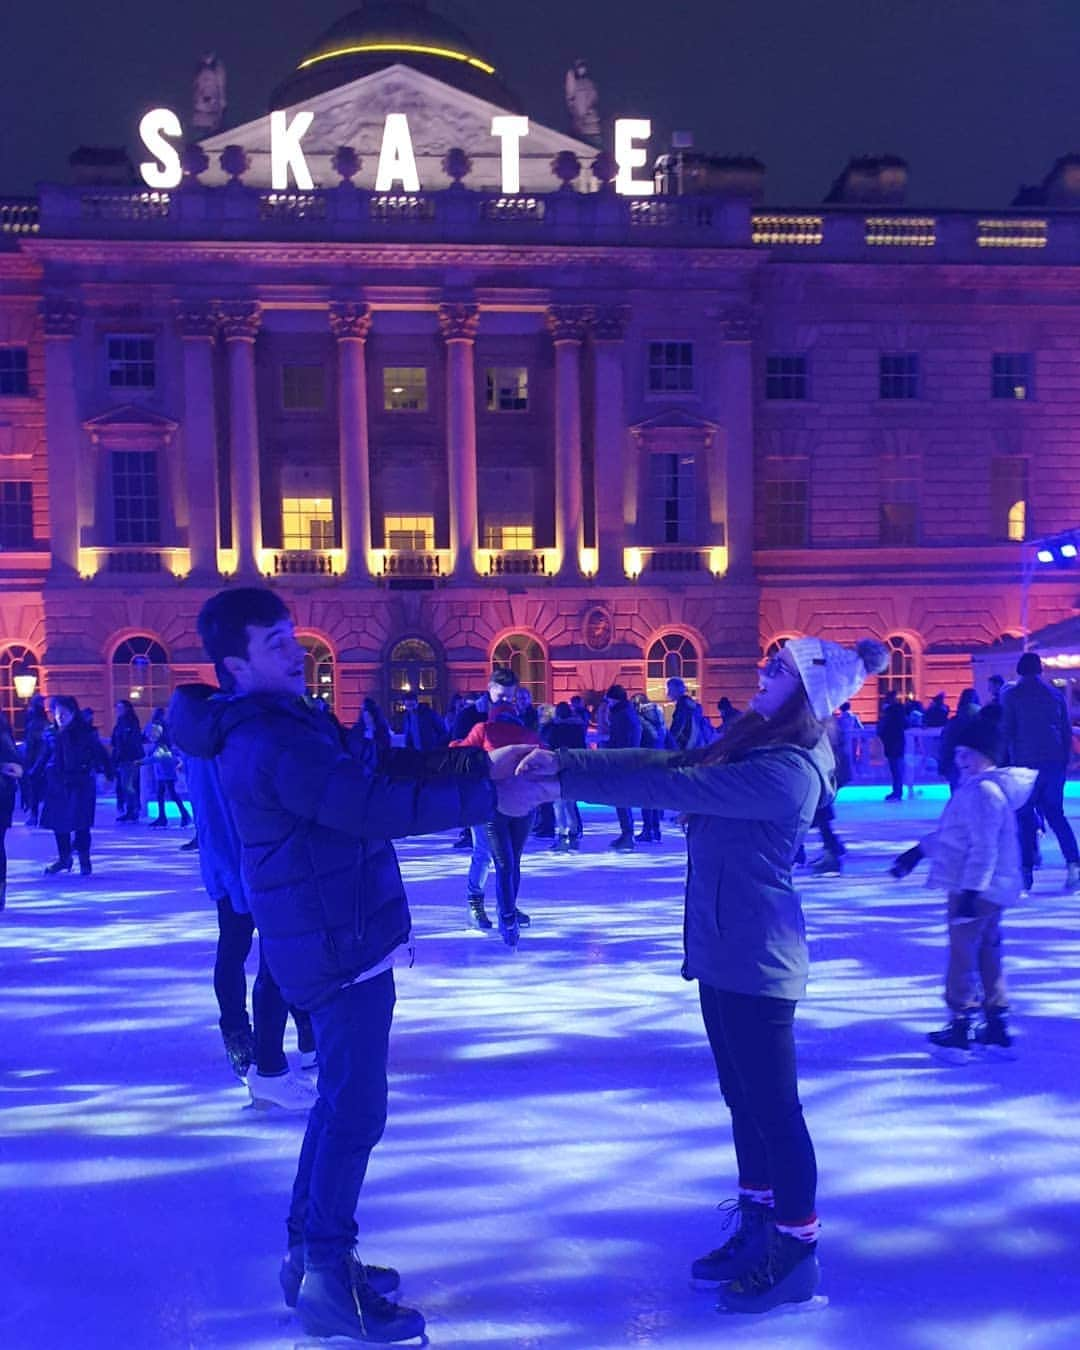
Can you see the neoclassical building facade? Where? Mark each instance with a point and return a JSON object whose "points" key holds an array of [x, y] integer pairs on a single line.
{"points": [[599, 437]]}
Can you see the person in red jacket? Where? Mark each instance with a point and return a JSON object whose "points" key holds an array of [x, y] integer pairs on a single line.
{"points": [[506, 835]]}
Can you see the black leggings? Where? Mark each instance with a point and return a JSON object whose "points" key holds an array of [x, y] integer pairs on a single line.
{"points": [[506, 837], [753, 1044], [63, 844]]}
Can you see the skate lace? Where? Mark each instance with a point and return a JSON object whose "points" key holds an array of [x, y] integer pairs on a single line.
{"points": [[731, 1211], [369, 1303]]}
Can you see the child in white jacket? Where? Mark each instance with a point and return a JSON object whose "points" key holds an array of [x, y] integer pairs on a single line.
{"points": [[975, 858]]}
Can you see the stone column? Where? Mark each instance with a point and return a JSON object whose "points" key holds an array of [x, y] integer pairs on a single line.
{"points": [[568, 325], [198, 324], [738, 402], [458, 324], [240, 323], [71, 466], [350, 324], [613, 468]]}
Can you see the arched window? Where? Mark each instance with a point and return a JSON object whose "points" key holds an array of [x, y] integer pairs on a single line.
{"points": [[900, 676], [525, 657], [318, 670], [672, 656], [140, 671], [19, 678], [414, 669]]}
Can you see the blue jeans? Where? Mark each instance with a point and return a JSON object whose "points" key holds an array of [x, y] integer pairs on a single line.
{"points": [[352, 1035], [1047, 799], [753, 1044], [479, 863]]}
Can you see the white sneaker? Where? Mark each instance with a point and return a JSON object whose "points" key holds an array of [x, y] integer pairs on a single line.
{"points": [[309, 1059], [285, 1091]]}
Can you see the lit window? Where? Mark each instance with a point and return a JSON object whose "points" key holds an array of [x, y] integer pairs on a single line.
{"points": [[787, 377], [671, 367], [525, 657], [1008, 497], [898, 517], [672, 496], [318, 670], [411, 534], [16, 515], [131, 362], [1011, 375], [671, 657], [140, 671], [302, 388], [307, 523], [898, 375], [405, 388], [507, 389], [900, 675], [14, 372], [136, 497], [508, 535]]}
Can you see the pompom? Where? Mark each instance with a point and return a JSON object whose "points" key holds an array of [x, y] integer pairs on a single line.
{"points": [[873, 654]]}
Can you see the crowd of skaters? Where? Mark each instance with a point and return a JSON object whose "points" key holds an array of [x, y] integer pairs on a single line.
{"points": [[1010, 756]]}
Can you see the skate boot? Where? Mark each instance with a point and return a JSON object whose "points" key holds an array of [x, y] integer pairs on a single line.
{"points": [[993, 1035], [510, 929], [624, 844], [562, 842], [85, 869], [239, 1050], [284, 1091], [740, 1252], [340, 1301], [60, 865], [383, 1279], [477, 914], [786, 1272], [523, 920], [828, 865], [1072, 878], [953, 1042]]}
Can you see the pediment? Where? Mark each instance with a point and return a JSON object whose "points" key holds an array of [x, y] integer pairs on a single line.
{"points": [[129, 422], [676, 422], [441, 118]]}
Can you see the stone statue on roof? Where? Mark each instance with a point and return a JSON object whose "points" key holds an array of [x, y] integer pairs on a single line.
{"points": [[583, 102], [208, 95]]}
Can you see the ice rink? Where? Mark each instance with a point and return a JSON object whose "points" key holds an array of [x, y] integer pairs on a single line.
{"points": [[557, 1144]]}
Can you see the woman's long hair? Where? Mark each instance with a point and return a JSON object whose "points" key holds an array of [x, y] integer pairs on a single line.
{"points": [[793, 724]]}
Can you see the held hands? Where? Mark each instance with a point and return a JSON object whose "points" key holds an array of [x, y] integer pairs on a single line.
{"points": [[505, 760], [539, 764], [519, 795], [11, 770]]}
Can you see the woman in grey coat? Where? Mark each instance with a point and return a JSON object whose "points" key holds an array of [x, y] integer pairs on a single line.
{"points": [[749, 799]]}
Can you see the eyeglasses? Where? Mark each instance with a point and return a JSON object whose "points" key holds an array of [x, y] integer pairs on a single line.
{"points": [[774, 666]]}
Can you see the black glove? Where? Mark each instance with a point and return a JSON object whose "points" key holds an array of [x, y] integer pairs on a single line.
{"points": [[906, 862], [965, 904]]}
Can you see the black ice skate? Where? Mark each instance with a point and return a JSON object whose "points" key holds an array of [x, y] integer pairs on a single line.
{"points": [[239, 1050], [828, 865], [740, 1252], [785, 1276], [953, 1043], [994, 1037], [340, 1302], [383, 1279]]}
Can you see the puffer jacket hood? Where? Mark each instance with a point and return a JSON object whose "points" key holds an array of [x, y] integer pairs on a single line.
{"points": [[976, 846], [198, 718], [1017, 784]]}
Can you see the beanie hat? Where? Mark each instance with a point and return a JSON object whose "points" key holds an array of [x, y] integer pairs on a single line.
{"points": [[616, 693], [832, 674], [982, 734]]}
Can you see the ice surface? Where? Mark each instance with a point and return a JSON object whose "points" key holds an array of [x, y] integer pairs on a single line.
{"points": [[556, 1143]]}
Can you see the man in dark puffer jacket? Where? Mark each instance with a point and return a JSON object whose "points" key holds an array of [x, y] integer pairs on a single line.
{"points": [[324, 887]]}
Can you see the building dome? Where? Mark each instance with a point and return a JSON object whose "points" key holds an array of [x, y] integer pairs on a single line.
{"points": [[384, 33]]}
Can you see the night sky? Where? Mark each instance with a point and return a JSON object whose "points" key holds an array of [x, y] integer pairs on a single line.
{"points": [[978, 95]]}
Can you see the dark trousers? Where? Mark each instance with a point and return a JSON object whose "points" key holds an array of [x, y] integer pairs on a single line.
{"points": [[896, 772], [626, 820], [3, 855], [352, 1033], [753, 1044], [506, 837], [127, 789], [823, 819], [269, 1009], [650, 822], [1048, 800], [169, 790], [64, 843], [974, 966]]}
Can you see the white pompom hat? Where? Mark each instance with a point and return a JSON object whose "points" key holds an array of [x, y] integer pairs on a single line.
{"points": [[832, 674]]}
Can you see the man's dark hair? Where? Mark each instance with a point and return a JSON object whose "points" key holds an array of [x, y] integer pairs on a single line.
{"points": [[1029, 664], [616, 693], [224, 620], [563, 711], [504, 677]]}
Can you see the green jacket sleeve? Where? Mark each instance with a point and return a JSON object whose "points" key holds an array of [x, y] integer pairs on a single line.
{"points": [[768, 786]]}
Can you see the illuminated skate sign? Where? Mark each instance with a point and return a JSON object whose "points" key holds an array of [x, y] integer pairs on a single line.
{"points": [[162, 134]]}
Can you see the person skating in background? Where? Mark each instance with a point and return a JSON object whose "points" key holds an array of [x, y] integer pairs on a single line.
{"points": [[126, 744], [848, 743], [749, 799], [370, 737], [975, 859], [727, 712], [255, 1046], [993, 709], [32, 783], [11, 771], [937, 712], [565, 732], [506, 834], [423, 729], [70, 787], [624, 733], [163, 767], [653, 737], [1038, 735], [892, 724], [966, 708], [325, 890]]}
